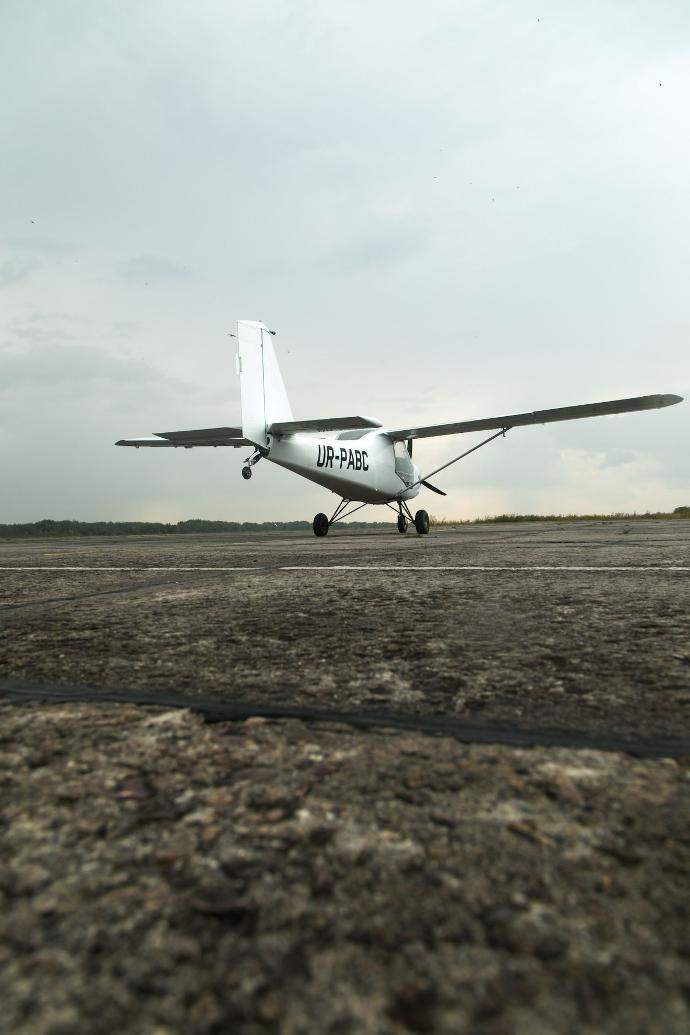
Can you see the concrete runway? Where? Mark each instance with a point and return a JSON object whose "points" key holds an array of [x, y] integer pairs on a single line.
{"points": [[160, 873], [573, 626]]}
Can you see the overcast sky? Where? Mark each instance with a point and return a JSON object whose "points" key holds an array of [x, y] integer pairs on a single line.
{"points": [[448, 210]]}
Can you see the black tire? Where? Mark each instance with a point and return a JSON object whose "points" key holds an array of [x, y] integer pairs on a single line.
{"points": [[246, 473], [421, 522], [320, 525], [402, 524]]}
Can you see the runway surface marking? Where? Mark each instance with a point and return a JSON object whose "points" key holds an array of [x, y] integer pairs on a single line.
{"points": [[480, 567], [363, 567], [72, 567]]}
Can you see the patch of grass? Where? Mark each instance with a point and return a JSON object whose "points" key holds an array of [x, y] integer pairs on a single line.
{"points": [[679, 512]]}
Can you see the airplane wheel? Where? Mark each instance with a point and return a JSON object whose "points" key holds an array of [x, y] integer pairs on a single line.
{"points": [[246, 473], [402, 523], [320, 525], [421, 522]]}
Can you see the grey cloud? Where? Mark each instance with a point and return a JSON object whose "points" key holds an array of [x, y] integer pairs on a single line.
{"points": [[35, 331], [41, 366], [122, 328], [34, 244], [152, 267], [617, 458], [378, 251], [38, 317], [14, 271]]}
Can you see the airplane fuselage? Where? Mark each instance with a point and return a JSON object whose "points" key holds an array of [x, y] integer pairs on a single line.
{"points": [[360, 466]]}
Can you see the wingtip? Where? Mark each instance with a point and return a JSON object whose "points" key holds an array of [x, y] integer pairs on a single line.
{"points": [[656, 402]]}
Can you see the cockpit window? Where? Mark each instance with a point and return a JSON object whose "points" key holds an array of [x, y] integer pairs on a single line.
{"points": [[404, 467], [350, 435]]}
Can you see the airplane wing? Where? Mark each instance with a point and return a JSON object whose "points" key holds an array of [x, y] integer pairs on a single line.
{"points": [[189, 439], [292, 427], [515, 420]]}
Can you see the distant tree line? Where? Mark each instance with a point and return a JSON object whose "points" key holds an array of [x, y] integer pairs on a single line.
{"points": [[48, 527]]}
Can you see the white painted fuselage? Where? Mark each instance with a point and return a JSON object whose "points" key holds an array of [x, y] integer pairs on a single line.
{"points": [[359, 466]]}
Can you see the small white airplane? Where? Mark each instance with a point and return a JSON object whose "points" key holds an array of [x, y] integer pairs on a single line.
{"points": [[355, 457]]}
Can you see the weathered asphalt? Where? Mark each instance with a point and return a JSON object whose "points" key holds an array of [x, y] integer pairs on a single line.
{"points": [[580, 626], [160, 875]]}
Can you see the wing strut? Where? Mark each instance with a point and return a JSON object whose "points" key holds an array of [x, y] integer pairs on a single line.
{"points": [[422, 481]]}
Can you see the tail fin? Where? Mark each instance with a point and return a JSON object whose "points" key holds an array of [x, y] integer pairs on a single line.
{"points": [[263, 395]]}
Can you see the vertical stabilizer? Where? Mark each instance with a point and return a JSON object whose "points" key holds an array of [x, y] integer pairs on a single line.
{"points": [[262, 391]]}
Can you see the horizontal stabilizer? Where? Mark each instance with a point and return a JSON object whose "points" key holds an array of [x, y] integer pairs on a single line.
{"points": [[205, 433], [516, 420], [189, 439], [293, 427]]}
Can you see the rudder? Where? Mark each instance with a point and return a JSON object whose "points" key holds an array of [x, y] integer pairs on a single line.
{"points": [[262, 391]]}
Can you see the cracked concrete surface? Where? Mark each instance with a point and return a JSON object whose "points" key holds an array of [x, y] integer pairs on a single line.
{"points": [[159, 875]]}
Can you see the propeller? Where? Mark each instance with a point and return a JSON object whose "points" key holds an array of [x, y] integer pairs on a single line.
{"points": [[422, 482], [433, 488]]}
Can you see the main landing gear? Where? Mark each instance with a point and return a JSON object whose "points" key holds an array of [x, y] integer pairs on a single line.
{"points": [[322, 522], [420, 520]]}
